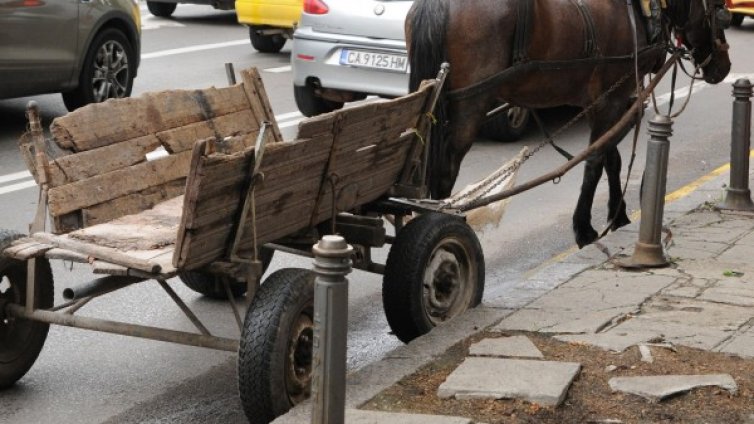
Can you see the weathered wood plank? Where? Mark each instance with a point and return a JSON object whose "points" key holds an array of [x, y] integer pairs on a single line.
{"points": [[234, 124], [24, 249], [83, 165], [132, 203], [105, 253], [150, 229], [259, 102], [102, 124], [104, 187]]}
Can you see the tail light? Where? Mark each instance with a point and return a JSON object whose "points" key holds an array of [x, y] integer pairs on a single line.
{"points": [[315, 7]]}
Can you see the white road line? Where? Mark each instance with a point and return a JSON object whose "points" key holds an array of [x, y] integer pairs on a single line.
{"points": [[14, 176], [16, 187], [191, 49], [279, 70], [289, 115]]}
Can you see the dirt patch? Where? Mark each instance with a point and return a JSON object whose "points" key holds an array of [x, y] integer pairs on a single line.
{"points": [[590, 399]]}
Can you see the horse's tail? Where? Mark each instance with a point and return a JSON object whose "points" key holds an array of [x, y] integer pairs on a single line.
{"points": [[427, 50]]}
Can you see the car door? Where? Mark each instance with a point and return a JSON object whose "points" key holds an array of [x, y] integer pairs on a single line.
{"points": [[37, 45]]}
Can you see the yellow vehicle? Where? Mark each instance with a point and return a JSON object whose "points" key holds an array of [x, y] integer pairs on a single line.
{"points": [[740, 9], [270, 22]]}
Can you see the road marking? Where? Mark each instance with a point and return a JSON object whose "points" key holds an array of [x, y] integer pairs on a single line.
{"points": [[279, 70], [151, 22], [14, 176], [16, 187], [192, 49]]}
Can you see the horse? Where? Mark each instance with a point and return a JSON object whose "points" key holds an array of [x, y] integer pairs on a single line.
{"points": [[555, 52]]}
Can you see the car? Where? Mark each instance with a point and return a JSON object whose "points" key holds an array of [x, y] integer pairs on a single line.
{"points": [[270, 22], [165, 8], [740, 9], [346, 50], [87, 50]]}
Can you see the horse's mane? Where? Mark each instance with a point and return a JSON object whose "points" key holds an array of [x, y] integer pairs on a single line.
{"points": [[678, 11]]}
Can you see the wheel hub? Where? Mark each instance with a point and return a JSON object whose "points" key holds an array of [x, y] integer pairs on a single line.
{"points": [[300, 355], [445, 280]]}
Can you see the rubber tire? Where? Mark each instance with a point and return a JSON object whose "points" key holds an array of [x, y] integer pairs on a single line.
{"points": [[402, 285], [83, 93], [210, 285], [264, 343], [500, 128], [737, 19], [161, 9], [14, 369], [265, 43], [310, 104]]}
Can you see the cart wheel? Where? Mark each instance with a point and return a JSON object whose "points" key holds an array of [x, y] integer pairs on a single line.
{"points": [[434, 272], [211, 285], [275, 357], [20, 340]]}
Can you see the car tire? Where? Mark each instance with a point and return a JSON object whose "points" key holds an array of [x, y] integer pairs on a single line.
{"points": [[508, 126], [737, 19], [265, 43], [111, 55], [160, 9], [310, 104]]}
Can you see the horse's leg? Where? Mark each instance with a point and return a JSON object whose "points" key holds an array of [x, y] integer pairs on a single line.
{"points": [[582, 216], [601, 120], [616, 206]]}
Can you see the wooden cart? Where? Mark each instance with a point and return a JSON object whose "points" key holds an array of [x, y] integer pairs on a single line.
{"points": [[190, 183]]}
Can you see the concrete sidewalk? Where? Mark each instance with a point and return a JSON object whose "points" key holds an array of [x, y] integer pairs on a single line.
{"points": [[703, 300]]}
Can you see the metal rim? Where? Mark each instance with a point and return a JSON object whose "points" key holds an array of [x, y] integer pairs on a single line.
{"points": [[111, 71], [448, 281], [298, 363], [15, 334], [517, 116]]}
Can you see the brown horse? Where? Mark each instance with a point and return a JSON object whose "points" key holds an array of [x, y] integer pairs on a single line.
{"points": [[557, 52]]}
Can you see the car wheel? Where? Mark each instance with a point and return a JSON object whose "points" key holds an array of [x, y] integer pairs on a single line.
{"points": [[163, 10], [310, 104], [265, 43], [737, 19], [508, 126], [108, 71]]}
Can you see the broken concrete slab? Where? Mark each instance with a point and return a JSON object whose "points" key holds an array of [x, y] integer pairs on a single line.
{"points": [[740, 345], [657, 388], [560, 321], [732, 291], [616, 341], [357, 416], [514, 346], [679, 334], [542, 382]]}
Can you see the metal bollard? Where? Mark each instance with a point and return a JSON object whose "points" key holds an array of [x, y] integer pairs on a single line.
{"points": [[648, 251], [332, 261], [738, 195], [230, 73]]}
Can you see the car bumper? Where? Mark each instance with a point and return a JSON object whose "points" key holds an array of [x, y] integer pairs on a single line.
{"points": [[317, 56], [280, 14], [742, 7]]}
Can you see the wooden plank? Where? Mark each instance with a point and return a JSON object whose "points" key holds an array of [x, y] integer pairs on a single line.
{"points": [[105, 253], [193, 180], [132, 203], [234, 124], [25, 248], [101, 188], [100, 267], [66, 255], [102, 124], [83, 165], [150, 229], [259, 102]]}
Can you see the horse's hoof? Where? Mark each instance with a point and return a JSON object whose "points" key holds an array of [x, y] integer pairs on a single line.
{"points": [[586, 237], [619, 221]]}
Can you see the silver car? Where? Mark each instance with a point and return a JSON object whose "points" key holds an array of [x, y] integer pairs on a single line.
{"points": [[345, 50], [87, 50]]}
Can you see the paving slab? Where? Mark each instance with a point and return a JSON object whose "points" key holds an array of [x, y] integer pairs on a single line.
{"points": [[514, 346], [679, 334], [741, 344], [616, 341], [560, 321], [542, 382], [659, 387], [356, 416], [732, 291]]}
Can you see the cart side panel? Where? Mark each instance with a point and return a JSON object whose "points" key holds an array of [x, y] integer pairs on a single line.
{"points": [[111, 170], [216, 189]]}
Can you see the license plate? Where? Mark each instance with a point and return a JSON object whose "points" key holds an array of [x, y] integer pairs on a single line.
{"points": [[374, 60]]}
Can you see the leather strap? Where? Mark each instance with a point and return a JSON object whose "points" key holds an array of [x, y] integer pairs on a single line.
{"points": [[522, 36]]}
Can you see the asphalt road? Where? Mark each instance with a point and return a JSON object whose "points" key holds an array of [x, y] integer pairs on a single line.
{"points": [[85, 377]]}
